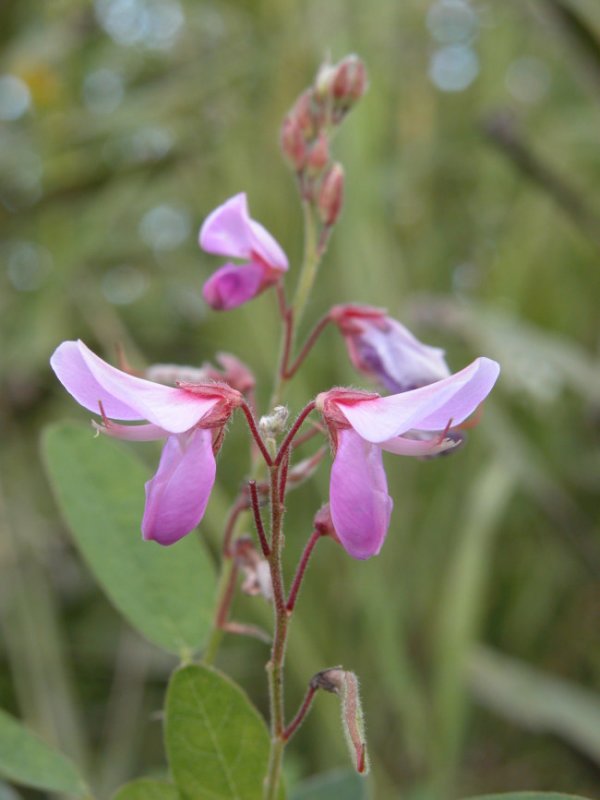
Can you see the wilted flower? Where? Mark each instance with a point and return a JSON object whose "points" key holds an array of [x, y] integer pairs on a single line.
{"points": [[229, 231], [385, 351], [185, 415], [413, 423]]}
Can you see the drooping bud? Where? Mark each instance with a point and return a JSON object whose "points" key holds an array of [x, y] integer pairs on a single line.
{"points": [[331, 195], [345, 685]]}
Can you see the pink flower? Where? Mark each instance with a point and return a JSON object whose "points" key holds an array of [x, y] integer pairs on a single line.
{"points": [[185, 415], [413, 423], [384, 350], [229, 231]]}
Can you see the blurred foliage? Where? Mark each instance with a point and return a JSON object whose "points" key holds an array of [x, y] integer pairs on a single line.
{"points": [[471, 214]]}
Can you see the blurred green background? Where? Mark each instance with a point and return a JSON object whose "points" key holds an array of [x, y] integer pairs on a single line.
{"points": [[472, 214]]}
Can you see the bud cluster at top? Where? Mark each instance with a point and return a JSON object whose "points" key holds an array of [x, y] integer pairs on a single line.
{"points": [[307, 131]]}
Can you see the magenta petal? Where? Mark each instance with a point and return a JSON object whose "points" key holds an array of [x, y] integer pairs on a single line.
{"points": [[360, 504], [176, 497], [429, 408], [232, 285], [91, 380], [229, 231]]}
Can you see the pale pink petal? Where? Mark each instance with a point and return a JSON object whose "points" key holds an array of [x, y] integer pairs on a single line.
{"points": [[428, 408], [229, 231], [233, 285], [359, 502], [176, 497], [91, 380]]}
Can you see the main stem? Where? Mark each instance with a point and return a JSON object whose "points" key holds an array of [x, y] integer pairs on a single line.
{"points": [[308, 272], [275, 665]]}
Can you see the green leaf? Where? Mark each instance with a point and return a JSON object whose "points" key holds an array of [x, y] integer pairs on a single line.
{"points": [[145, 789], [217, 742], [527, 796], [537, 701], [335, 785], [165, 592], [27, 760]]}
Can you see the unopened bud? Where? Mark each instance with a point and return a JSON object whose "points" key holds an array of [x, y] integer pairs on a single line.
{"points": [[331, 195], [293, 144], [319, 154], [303, 116], [324, 80], [345, 685], [272, 425], [350, 81]]}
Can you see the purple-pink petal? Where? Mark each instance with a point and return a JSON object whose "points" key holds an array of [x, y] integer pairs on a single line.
{"points": [[233, 285], [229, 231], [429, 408], [176, 497], [90, 380], [359, 502]]}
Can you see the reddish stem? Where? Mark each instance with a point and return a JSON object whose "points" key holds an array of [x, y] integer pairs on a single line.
{"points": [[293, 431], [255, 433], [302, 712], [298, 577], [289, 372], [260, 528], [283, 476]]}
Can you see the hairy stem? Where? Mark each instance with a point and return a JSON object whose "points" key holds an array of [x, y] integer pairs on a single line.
{"points": [[276, 663]]}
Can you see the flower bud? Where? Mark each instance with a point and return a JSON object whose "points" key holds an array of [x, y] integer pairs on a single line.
{"points": [[331, 195], [324, 80], [293, 144], [303, 116], [319, 154], [272, 425], [350, 80], [345, 685]]}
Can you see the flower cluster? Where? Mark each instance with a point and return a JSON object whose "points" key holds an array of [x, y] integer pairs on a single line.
{"points": [[419, 419], [420, 410]]}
